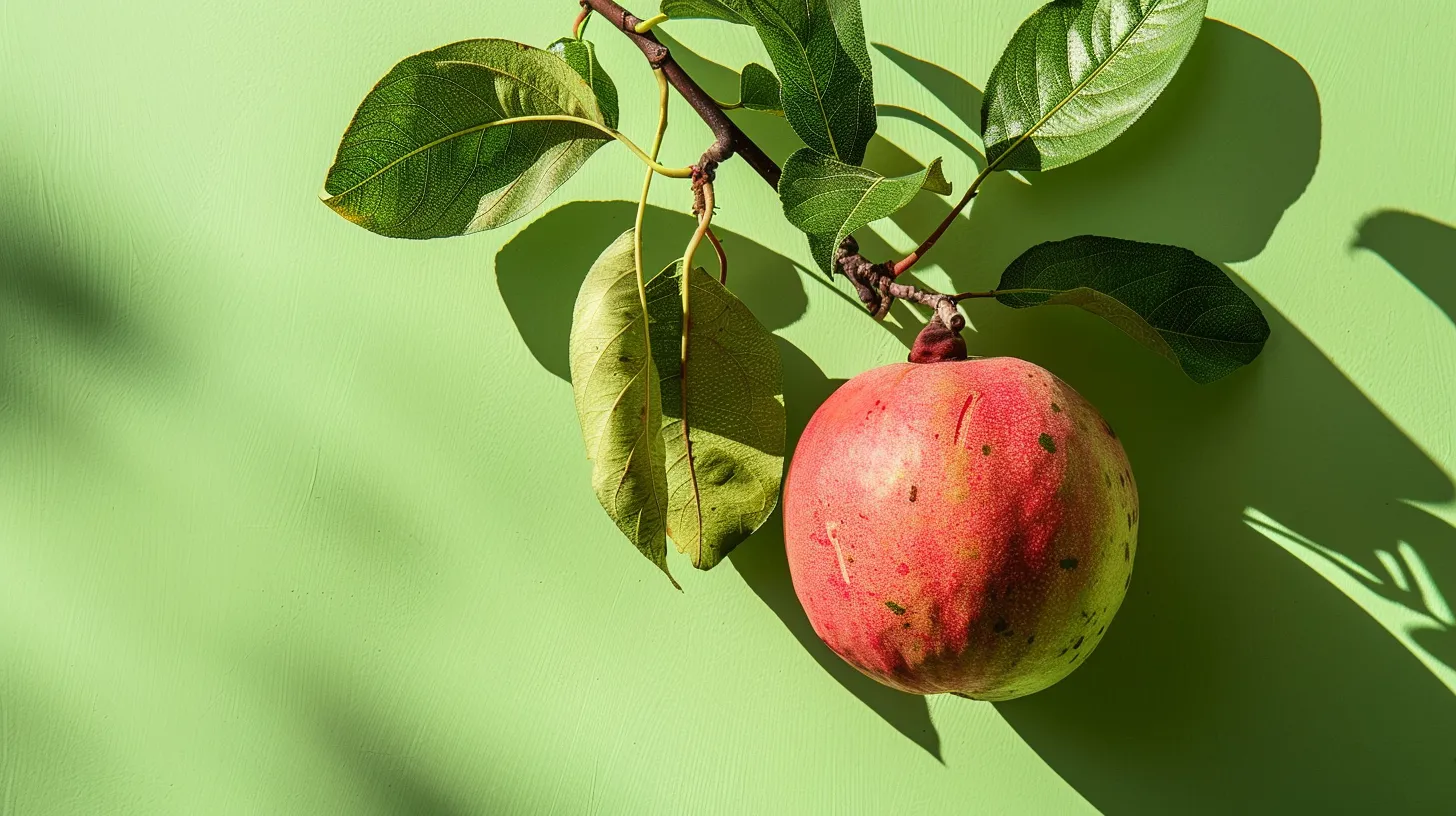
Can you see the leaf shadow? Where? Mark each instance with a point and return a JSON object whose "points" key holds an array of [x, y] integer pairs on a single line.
{"points": [[1421, 249], [1236, 676]]}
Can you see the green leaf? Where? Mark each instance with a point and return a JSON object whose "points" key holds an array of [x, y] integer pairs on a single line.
{"points": [[829, 199], [724, 486], [703, 9], [1078, 73], [619, 400], [581, 55], [759, 89], [1166, 297], [424, 158]]}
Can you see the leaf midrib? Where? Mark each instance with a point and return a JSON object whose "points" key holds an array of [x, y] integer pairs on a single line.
{"points": [[1157, 4]]}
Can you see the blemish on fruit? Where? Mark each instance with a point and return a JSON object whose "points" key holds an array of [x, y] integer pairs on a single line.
{"points": [[903, 569], [1047, 442], [1001, 626], [985, 450], [1030, 640], [1126, 552], [905, 625], [912, 493], [1078, 644], [1056, 409], [1069, 563], [894, 607]]}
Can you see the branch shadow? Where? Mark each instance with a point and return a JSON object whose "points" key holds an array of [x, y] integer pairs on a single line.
{"points": [[1421, 249], [1238, 677]]}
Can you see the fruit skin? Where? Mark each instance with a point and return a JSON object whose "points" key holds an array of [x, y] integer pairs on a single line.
{"points": [[965, 527]]}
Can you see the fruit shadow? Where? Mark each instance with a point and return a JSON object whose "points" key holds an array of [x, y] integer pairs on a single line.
{"points": [[566, 241], [1272, 639]]}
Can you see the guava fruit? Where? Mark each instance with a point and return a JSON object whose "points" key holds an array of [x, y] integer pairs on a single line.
{"points": [[961, 526]]}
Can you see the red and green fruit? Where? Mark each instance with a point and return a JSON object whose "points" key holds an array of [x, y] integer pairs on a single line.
{"points": [[964, 526]]}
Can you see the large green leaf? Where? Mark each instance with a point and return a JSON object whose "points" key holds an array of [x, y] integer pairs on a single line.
{"points": [[725, 484], [829, 199], [704, 9], [1078, 73], [581, 55], [619, 400], [819, 52], [1166, 297], [424, 158], [759, 89]]}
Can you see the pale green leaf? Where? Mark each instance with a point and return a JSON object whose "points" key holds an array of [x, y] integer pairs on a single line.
{"points": [[1078, 73], [829, 200], [725, 485], [759, 89], [424, 158], [619, 400], [581, 55], [1166, 297]]}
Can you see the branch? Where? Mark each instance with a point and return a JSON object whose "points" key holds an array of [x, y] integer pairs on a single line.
{"points": [[875, 282]]}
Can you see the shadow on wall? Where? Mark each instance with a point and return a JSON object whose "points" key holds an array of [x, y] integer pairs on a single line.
{"points": [[1238, 676], [1422, 250], [64, 315]]}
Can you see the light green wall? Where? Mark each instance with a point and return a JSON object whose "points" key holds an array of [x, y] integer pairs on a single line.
{"points": [[295, 519]]}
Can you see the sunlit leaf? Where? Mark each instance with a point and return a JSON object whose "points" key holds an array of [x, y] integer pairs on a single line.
{"points": [[424, 157], [829, 200], [1078, 73]]}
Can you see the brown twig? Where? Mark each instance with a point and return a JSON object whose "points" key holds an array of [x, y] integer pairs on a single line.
{"points": [[875, 282]]}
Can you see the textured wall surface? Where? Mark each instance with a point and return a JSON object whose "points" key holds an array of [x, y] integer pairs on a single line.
{"points": [[296, 519]]}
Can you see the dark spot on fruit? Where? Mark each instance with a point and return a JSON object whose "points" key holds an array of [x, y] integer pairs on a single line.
{"points": [[985, 450], [903, 569], [1086, 615], [912, 493], [937, 436], [1047, 442], [1030, 640], [1069, 563], [1129, 521], [1062, 652], [1001, 626], [1121, 481], [1078, 644], [624, 359], [905, 626], [894, 607], [1100, 631], [1074, 658], [1056, 409], [1126, 552]]}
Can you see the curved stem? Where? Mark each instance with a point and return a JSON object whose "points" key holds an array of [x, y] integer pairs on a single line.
{"points": [[649, 24], [578, 28], [642, 212], [722, 257], [704, 220], [909, 260]]}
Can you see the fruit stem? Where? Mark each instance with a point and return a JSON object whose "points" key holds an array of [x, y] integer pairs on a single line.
{"points": [[909, 260], [722, 257]]}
